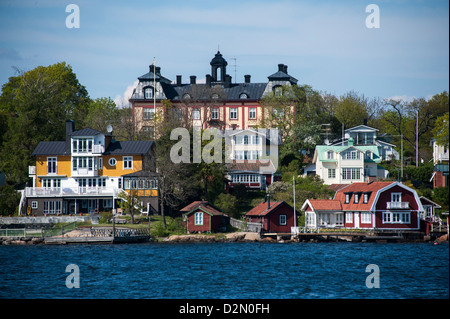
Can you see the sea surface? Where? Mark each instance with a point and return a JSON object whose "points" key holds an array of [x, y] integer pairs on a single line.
{"points": [[226, 270]]}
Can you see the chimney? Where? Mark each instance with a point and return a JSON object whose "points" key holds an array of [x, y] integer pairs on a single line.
{"points": [[268, 201], [70, 128], [208, 79], [158, 70], [247, 78], [285, 69], [281, 67], [152, 68], [227, 81], [193, 79], [178, 80]]}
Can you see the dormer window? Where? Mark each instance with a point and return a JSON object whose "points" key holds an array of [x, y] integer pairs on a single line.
{"points": [[347, 198], [330, 155], [215, 96], [148, 93], [278, 90], [186, 96], [368, 155], [243, 96]]}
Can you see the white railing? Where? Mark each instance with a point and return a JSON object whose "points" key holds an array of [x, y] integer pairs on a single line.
{"points": [[85, 172], [397, 205], [71, 191]]}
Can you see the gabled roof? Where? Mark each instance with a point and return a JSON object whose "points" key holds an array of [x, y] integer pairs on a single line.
{"points": [[370, 188], [323, 204], [321, 151], [361, 127], [86, 132], [204, 206], [263, 208]]}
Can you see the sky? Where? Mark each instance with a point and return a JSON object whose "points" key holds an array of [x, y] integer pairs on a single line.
{"points": [[326, 44]]}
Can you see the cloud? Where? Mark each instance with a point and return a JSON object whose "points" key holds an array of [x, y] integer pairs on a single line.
{"points": [[122, 101]]}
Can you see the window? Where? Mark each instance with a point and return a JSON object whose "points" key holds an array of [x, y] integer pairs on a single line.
{"points": [[366, 218], [215, 96], [349, 217], [215, 113], [356, 198], [351, 173], [256, 139], [52, 207], [82, 145], [149, 131], [107, 202], [366, 198], [51, 165], [149, 113], [199, 218], [196, 114], [330, 155], [243, 96], [339, 219], [245, 139], [252, 113], [34, 204], [278, 90], [351, 155], [148, 93], [283, 219], [128, 162], [233, 114], [396, 197], [396, 217], [368, 155], [347, 198], [112, 161], [331, 173]]}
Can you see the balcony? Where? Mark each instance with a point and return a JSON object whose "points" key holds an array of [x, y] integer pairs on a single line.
{"points": [[397, 205], [71, 191], [85, 172]]}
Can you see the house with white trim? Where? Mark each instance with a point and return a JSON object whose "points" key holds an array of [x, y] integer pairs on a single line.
{"points": [[373, 205]]}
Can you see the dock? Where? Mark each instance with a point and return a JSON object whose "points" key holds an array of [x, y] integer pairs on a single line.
{"points": [[104, 235]]}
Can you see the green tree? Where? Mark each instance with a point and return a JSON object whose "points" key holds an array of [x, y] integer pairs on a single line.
{"points": [[101, 112], [440, 131], [130, 203], [38, 103]]}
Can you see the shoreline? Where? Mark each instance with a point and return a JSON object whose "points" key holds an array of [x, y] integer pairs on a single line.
{"points": [[244, 237]]}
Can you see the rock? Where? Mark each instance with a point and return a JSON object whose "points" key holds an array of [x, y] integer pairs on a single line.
{"points": [[252, 236]]}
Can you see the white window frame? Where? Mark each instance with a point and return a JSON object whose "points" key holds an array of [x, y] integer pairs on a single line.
{"points": [[148, 113], [396, 197], [252, 113], [331, 173], [34, 204], [366, 218], [215, 113], [401, 217], [198, 218], [148, 93], [196, 114], [283, 220], [349, 217], [339, 219], [330, 155], [112, 161], [52, 165], [233, 113]]}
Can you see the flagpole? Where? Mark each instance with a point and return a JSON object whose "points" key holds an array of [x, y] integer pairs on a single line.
{"points": [[295, 214], [154, 85]]}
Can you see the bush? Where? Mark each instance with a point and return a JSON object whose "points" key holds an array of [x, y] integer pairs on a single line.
{"points": [[228, 204]]}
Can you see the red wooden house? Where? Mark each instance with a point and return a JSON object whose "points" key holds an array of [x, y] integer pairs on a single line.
{"points": [[373, 205], [276, 217], [201, 216]]}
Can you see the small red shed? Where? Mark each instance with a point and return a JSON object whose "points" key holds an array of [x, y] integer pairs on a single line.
{"points": [[276, 217], [201, 216]]}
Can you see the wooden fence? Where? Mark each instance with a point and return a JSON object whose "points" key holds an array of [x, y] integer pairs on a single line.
{"points": [[246, 226]]}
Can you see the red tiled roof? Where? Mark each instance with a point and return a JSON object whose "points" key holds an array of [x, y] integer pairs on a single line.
{"points": [[361, 188], [325, 204], [262, 208]]}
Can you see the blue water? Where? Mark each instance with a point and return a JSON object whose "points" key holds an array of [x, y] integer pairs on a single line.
{"points": [[226, 270]]}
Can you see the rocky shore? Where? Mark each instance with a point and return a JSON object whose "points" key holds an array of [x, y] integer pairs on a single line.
{"points": [[190, 238]]}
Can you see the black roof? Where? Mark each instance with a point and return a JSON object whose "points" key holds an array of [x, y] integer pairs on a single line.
{"points": [[114, 148], [129, 148], [50, 148], [86, 132], [254, 91]]}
